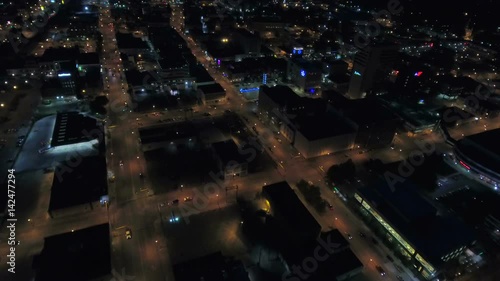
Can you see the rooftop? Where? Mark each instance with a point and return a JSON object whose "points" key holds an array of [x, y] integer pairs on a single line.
{"points": [[200, 74], [136, 78], [482, 148], [416, 220], [88, 58], [228, 152], [211, 89], [487, 140], [81, 255], [129, 41], [73, 127], [285, 202], [308, 65], [60, 54], [212, 267], [173, 62], [280, 94], [340, 262], [168, 132], [319, 126], [86, 183]]}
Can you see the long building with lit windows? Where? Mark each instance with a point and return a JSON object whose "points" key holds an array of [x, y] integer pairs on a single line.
{"points": [[410, 225], [480, 154]]}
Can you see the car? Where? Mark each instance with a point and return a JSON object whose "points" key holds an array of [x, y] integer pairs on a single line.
{"points": [[128, 234], [400, 278], [390, 258], [374, 241], [330, 206], [349, 236], [186, 199], [121, 163], [174, 202], [141, 175], [380, 270], [362, 234], [207, 114]]}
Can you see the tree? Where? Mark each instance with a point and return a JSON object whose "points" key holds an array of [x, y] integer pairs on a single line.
{"points": [[342, 172], [312, 194]]}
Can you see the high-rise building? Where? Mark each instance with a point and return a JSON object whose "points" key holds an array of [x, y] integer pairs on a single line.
{"points": [[371, 64]]}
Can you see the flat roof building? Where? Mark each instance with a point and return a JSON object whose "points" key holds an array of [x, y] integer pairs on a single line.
{"points": [[341, 264], [170, 135], [212, 93], [73, 127], [422, 237], [480, 154], [291, 214], [78, 188], [212, 267], [230, 159], [82, 255]]}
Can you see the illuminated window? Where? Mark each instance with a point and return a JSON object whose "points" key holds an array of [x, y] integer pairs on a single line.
{"points": [[358, 197], [425, 264]]}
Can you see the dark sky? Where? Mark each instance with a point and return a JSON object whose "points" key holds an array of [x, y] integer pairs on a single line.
{"points": [[484, 13]]}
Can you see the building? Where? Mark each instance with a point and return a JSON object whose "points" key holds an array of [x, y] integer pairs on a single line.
{"points": [[479, 154], [132, 45], [73, 129], [289, 212], [376, 125], [173, 136], [339, 264], [50, 62], [418, 118], [210, 94], [52, 91], [79, 188], [200, 75], [300, 237], [304, 74], [229, 159], [411, 225], [174, 71], [88, 62], [211, 267], [322, 134], [85, 253], [371, 64]]}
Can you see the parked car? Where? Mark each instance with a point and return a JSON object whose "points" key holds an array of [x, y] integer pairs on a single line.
{"points": [[380, 270]]}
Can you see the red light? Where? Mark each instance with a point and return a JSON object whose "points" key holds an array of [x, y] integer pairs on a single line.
{"points": [[432, 45], [465, 165]]}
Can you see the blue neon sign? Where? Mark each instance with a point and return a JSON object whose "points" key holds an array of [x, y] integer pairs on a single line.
{"points": [[248, 90], [303, 73]]}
